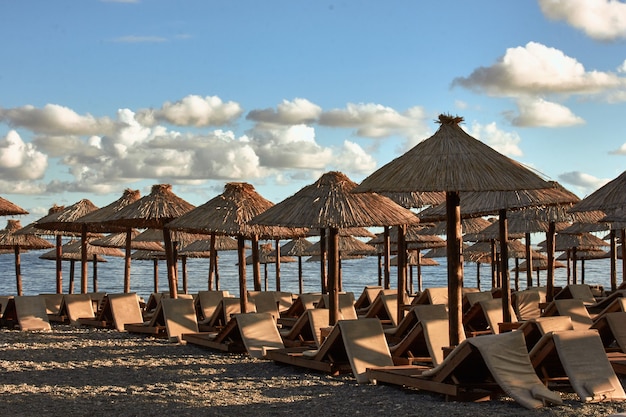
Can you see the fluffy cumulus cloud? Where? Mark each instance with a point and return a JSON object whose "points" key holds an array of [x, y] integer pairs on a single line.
{"points": [[53, 119], [584, 182], [538, 69], [506, 143], [354, 159], [298, 111], [603, 20], [19, 160], [539, 112], [192, 110]]}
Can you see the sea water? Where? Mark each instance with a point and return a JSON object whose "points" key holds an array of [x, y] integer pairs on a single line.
{"points": [[39, 275]]}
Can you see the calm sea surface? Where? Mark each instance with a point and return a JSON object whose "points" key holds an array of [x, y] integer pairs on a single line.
{"points": [[38, 275]]}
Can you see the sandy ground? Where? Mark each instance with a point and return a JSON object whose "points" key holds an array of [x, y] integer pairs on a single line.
{"points": [[99, 372]]}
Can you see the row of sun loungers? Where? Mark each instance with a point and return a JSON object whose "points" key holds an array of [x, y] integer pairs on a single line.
{"points": [[527, 361]]}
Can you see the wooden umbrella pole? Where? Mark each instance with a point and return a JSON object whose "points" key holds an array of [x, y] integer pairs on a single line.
{"points": [[256, 265], [333, 273], [169, 257], [184, 265], [323, 277], [70, 290], [574, 266], [494, 269], [504, 267], [94, 277], [623, 255], [127, 254], [59, 255], [387, 266], [277, 264], [401, 270], [454, 244], [380, 269], [18, 269], [212, 256], [613, 253], [550, 270], [156, 274], [83, 259], [300, 281], [241, 255], [529, 261]]}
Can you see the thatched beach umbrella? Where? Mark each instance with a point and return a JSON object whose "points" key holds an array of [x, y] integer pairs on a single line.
{"points": [[8, 208], [297, 247], [453, 162], [65, 221], [10, 240], [94, 221], [155, 211], [216, 243], [229, 214], [330, 204], [609, 198]]}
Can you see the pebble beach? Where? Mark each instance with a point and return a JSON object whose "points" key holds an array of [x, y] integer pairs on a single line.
{"points": [[96, 372]]}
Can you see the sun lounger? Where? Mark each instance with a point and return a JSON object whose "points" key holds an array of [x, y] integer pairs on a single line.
{"points": [[384, 308], [433, 295], [612, 330], [534, 329], [414, 316], [369, 294], [526, 303], [207, 301], [577, 357], [227, 307], [300, 305], [484, 317], [53, 302], [4, 301], [172, 318], [255, 333], [307, 330], [264, 302], [471, 298], [600, 306], [74, 307], [351, 346], [346, 305], [477, 369], [28, 312], [572, 307], [578, 292], [117, 311]]}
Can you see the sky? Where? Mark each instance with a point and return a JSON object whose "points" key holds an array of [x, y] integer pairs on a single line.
{"points": [[98, 96]]}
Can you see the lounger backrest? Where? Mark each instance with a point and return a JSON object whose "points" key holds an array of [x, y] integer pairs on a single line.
{"points": [[431, 312], [258, 333], [31, 313], [576, 310], [53, 302], [265, 302], [577, 291], [78, 306], [180, 317], [493, 313], [437, 295], [124, 309], [207, 302], [526, 304]]}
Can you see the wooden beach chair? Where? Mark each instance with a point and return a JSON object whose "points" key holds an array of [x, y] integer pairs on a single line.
{"points": [[264, 302], [432, 295], [484, 317], [172, 318], [26, 312], [526, 303], [414, 316], [346, 305], [53, 302], [226, 308], [471, 298], [478, 369], [369, 294], [4, 301], [577, 358], [572, 307], [74, 307], [206, 302], [302, 303], [351, 346], [117, 311], [534, 329], [578, 292], [601, 305], [255, 333], [612, 330], [307, 330], [384, 308]]}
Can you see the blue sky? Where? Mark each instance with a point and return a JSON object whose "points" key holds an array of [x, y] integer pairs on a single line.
{"points": [[99, 96]]}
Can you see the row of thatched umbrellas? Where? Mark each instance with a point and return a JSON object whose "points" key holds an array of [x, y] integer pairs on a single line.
{"points": [[450, 162]]}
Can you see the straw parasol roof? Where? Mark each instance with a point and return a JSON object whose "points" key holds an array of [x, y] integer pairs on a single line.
{"points": [[295, 247], [155, 235], [583, 241], [515, 249], [95, 220], [417, 199], [10, 209], [468, 226], [330, 204], [267, 255], [10, 240], [538, 264], [204, 245], [454, 162], [347, 245], [155, 210], [66, 219], [610, 196], [412, 260], [584, 255]]}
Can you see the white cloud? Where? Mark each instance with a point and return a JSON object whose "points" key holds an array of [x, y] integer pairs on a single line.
{"points": [[535, 112], [353, 159], [506, 143], [53, 119], [619, 151], [584, 182], [298, 111], [603, 20], [20, 160], [536, 69], [192, 110]]}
